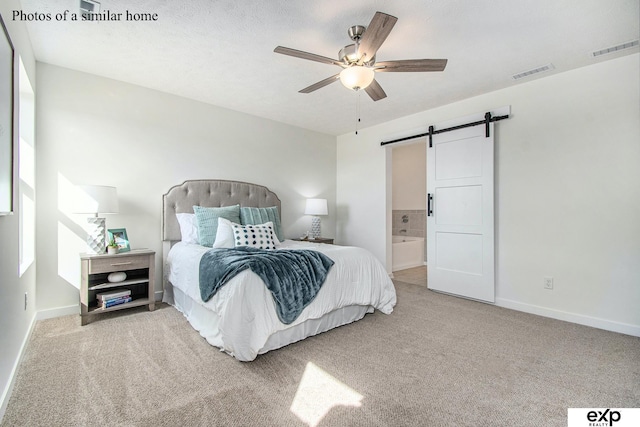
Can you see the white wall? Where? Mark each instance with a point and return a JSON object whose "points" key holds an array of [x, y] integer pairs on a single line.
{"points": [[15, 321], [93, 130], [567, 193], [409, 176]]}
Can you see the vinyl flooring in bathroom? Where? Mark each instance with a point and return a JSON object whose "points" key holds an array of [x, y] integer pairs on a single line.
{"points": [[415, 276]]}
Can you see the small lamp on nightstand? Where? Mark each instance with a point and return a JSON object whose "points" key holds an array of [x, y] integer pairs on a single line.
{"points": [[96, 199], [316, 207]]}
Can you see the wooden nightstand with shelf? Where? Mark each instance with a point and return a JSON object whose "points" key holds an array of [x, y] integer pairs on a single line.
{"points": [[139, 265]]}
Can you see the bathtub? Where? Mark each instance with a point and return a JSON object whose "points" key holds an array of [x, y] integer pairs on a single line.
{"points": [[407, 252]]}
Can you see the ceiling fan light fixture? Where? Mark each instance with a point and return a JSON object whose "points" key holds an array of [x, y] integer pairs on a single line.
{"points": [[358, 60], [356, 77]]}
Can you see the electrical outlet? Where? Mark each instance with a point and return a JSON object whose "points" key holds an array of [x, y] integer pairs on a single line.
{"points": [[25, 300], [548, 282]]}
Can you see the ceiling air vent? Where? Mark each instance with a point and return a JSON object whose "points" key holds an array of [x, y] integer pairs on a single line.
{"points": [[528, 73], [89, 6], [627, 45]]}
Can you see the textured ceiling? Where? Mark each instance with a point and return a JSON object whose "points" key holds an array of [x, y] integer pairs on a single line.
{"points": [[221, 52]]}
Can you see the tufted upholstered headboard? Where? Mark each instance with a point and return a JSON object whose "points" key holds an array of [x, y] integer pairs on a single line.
{"points": [[211, 193]]}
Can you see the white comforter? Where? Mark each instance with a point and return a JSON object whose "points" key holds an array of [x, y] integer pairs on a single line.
{"points": [[244, 308]]}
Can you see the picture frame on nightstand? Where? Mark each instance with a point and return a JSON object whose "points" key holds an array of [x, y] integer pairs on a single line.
{"points": [[119, 235]]}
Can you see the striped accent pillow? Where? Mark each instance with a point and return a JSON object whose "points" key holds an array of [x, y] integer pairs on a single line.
{"points": [[254, 216]]}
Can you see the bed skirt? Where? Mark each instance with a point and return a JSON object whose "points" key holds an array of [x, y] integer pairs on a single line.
{"points": [[206, 322]]}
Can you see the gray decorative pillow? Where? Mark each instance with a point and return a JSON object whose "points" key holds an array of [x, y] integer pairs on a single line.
{"points": [[255, 216], [256, 236], [207, 219]]}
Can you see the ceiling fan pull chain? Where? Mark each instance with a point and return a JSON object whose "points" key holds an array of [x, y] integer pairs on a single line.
{"points": [[357, 111]]}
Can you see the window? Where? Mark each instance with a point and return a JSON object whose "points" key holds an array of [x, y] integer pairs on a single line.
{"points": [[27, 172]]}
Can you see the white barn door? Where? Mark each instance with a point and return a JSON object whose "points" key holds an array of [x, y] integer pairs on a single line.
{"points": [[460, 227]]}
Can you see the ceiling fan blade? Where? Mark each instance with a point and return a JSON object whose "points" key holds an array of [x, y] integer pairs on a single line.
{"points": [[306, 55], [320, 84], [411, 65], [375, 91], [376, 33]]}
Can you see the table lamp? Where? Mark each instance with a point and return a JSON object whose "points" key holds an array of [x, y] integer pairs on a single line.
{"points": [[316, 207], [96, 199]]}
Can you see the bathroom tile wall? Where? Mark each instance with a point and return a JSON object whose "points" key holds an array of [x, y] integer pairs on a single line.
{"points": [[413, 221]]}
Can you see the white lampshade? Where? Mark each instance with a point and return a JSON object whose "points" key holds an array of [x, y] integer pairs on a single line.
{"points": [[96, 199], [357, 77], [316, 207]]}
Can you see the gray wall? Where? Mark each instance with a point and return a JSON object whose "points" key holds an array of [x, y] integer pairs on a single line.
{"points": [[567, 194], [94, 130]]}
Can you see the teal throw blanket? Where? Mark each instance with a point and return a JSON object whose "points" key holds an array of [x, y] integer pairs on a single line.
{"points": [[293, 277]]}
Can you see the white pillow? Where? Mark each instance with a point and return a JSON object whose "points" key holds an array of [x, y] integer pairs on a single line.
{"points": [[275, 232], [224, 235], [261, 236], [188, 227]]}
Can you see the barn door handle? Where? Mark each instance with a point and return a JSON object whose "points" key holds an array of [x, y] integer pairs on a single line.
{"points": [[429, 203]]}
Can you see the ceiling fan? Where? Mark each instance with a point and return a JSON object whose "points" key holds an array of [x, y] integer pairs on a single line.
{"points": [[358, 60]]}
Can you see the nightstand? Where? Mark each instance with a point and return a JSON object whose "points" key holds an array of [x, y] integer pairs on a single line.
{"points": [[139, 266], [326, 240]]}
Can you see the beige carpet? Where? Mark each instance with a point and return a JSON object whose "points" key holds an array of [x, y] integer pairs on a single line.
{"points": [[435, 361]]}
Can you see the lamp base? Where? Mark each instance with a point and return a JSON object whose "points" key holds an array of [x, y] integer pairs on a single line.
{"points": [[315, 227], [96, 235]]}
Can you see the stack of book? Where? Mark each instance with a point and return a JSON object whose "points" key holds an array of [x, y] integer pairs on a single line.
{"points": [[115, 297]]}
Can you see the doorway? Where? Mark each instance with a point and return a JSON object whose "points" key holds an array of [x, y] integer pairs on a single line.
{"points": [[408, 205], [459, 230]]}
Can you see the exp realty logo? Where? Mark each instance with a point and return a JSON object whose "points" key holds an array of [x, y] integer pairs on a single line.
{"points": [[608, 417], [603, 417]]}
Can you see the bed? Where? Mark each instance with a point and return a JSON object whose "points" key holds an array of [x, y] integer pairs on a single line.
{"points": [[241, 318]]}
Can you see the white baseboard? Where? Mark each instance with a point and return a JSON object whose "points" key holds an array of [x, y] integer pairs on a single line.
{"points": [[73, 309], [57, 312], [594, 322], [6, 393]]}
